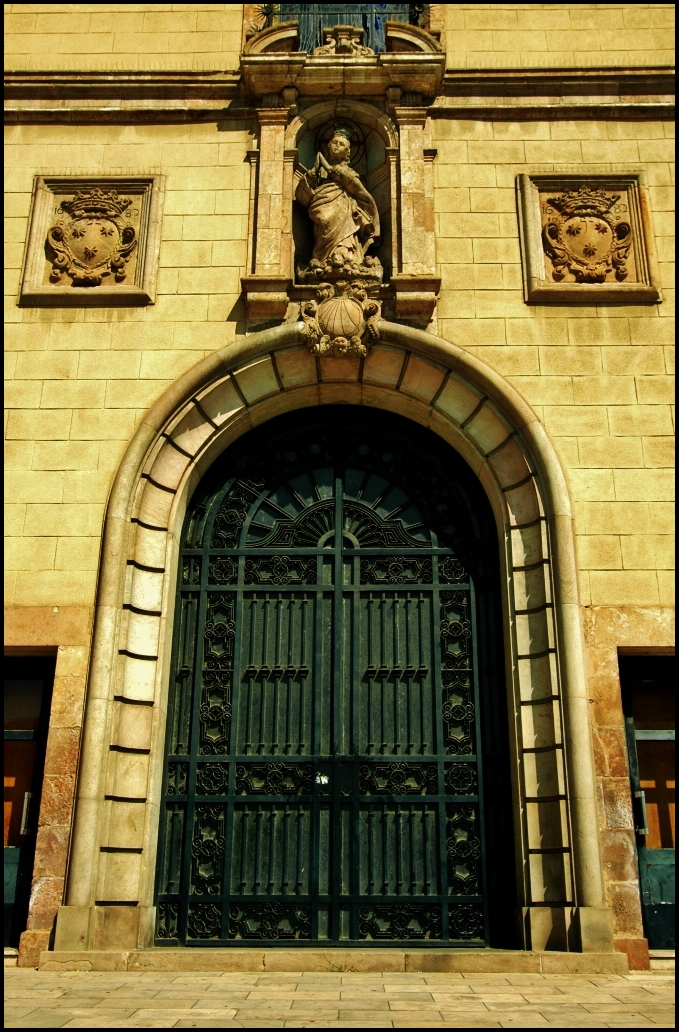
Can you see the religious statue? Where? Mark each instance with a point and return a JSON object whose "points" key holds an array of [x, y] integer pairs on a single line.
{"points": [[344, 214]]}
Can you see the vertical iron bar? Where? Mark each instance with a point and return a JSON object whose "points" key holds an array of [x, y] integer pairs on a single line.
{"points": [[409, 679], [265, 648], [396, 745], [272, 846], [258, 831]]}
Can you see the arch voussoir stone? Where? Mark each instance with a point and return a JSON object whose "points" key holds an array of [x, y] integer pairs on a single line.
{"points": [[434, 383]]}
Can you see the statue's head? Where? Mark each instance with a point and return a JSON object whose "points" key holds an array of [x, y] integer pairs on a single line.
{"points": [[338, 148]]}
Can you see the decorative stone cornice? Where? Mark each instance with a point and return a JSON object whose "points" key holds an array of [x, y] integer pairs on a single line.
{"points": [[171, 96]]}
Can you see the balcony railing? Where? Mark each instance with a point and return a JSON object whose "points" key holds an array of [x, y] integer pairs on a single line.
{"points": [[314, 18]]}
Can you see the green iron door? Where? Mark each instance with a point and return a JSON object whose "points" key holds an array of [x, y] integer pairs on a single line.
{"points": [[324, 778]]}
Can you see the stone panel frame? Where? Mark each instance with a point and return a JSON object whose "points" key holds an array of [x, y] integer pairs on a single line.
{"points": [[110, 892], [539, 289], [35, 292]]}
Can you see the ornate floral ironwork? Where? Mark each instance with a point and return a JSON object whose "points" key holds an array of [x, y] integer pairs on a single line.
{"points": [[274, 778], [466, 922], [458, 712], [587, 234], [398, 778], [168, 914], [212, 778], [177, 776], [232, 514], [223, 571], [280, 569], [191, 569], [397, 569], [463, 848], [400, 921], [461, 778], [215, 709], [451, 570], [270, 921], [204, 921], [207, 850]]}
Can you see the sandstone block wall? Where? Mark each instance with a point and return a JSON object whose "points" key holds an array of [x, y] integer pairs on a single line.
{"points": [[599, 378], [555, 35], [129, 37]]}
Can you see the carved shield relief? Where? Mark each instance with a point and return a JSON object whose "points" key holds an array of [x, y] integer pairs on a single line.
{"points": [[586, 239], [94, 238], [93, 242], [587, 236]]}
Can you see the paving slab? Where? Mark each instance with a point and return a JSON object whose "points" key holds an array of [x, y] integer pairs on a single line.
{"points": [[213, 999]]}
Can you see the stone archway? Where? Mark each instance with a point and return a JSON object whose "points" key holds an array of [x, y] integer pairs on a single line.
{"points": [[112, 864]]}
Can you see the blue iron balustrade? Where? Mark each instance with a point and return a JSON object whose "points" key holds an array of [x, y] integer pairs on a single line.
{"points": [[314, 18]]}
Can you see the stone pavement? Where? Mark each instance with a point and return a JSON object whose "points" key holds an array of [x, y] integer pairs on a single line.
{"points": [[80, 999]]}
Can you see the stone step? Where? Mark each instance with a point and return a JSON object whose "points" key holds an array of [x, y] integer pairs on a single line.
{"points": [[661, 960], [296, 960]]}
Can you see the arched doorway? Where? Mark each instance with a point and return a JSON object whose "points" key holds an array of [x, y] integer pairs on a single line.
{"points": [[337, 753]]}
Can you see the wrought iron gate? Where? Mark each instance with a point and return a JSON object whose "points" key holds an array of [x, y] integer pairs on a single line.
{"points": [[324, 779]]}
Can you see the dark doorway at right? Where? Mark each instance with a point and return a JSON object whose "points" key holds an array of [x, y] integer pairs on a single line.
{"points": [[648, 692]]}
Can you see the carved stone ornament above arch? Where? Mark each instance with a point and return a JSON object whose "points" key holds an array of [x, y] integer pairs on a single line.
{"points": [[414, 62], [434, 383]]}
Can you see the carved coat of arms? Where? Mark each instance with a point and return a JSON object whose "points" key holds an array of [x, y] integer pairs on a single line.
{"points": [[96, 240], [586, 233]]}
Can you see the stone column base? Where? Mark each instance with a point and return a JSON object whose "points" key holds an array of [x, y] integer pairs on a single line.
{"points": [[636, 949], [31, 944], [593, 929], [575, 929], [546, 928], [104, 928]]}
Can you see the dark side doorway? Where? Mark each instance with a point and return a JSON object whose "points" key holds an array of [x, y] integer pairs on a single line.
{"points": [[648, 691], [28, 693]]}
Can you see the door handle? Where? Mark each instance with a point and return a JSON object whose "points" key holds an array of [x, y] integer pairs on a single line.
{"points": [[641, 796], [24, 816]]}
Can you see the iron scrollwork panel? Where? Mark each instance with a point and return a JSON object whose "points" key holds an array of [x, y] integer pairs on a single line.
{"points": [[217, 673]]}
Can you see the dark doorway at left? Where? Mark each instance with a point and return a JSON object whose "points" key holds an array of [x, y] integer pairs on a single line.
{"points": [[28, 692]]}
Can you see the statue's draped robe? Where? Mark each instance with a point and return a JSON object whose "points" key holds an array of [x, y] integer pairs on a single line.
{"points": [[343, 213]]}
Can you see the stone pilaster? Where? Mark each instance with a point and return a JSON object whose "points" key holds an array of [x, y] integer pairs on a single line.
{"points": [[269, 244], [416, 284]]}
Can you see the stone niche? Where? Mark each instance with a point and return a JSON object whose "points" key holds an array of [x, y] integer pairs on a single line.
{"points": [[380, 101], [93, 242], [586, 240]]}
